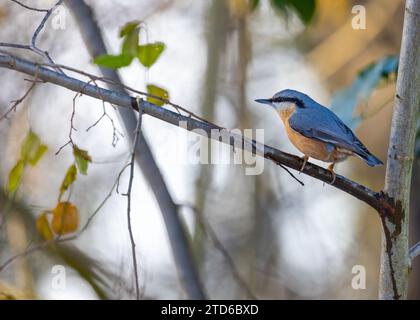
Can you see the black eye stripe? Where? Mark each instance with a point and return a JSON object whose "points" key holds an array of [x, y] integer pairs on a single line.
{"points": [[298, 102]]}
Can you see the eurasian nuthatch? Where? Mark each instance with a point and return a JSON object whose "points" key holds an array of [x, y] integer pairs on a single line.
{"points": [[316, 131]]}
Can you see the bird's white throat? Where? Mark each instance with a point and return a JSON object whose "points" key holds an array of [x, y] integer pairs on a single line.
{"points": [[283, 106]]}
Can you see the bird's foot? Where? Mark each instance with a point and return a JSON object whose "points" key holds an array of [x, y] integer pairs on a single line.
{"points": [[334, 175], [305, 159]]}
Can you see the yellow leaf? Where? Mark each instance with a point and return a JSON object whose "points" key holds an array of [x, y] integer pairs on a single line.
{"points": [[29, 145], [15, 175], [69, 178], [65, 218], [157, 92], [43, 226], [39, 152], [32, 149]]}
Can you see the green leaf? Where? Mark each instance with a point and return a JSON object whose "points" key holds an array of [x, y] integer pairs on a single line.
{"points": [[131, 43], [149, 53], [29, 145], [15, 176], [345, 101], [40, 151], [157, 92], [82, 159], [128, 28], [69, 178], [113, 61], [305, 9]]}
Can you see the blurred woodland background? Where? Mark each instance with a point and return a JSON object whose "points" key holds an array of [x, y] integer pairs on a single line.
{"points": [[262, 236]]}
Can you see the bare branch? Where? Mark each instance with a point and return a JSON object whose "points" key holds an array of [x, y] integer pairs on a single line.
{"points": [[72, 127], [377, 200], [15, 45], [20, 100], [28, 7], [33, 46], [115, 132], [27, 252], [42, 24]]}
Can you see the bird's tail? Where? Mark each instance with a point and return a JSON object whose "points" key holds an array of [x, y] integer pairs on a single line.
{"points": [[370, 159]]}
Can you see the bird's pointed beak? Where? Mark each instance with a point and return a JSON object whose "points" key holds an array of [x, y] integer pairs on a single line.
{"points": [[264, 101]]}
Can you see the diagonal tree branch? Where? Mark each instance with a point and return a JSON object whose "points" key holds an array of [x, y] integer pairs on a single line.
{"points": [[377, 200], [182, 254]]}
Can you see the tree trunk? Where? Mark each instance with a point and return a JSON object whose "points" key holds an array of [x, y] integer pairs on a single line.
{"points": [[394, 257]]}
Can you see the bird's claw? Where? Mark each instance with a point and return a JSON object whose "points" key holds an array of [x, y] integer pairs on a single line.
{"points": [[334, 175], [305, 159]]}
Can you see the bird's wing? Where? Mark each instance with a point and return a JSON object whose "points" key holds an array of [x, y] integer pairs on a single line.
{"points": [[322, 124]]}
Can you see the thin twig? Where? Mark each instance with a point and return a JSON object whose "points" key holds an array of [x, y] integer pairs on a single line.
{"points": [[291, 174], [20, 100], [73, 114], [33, 45], [15, 45], [177, 107], [115, 132], [27, 252], [128, 194], [42, 24], [28, 7]]}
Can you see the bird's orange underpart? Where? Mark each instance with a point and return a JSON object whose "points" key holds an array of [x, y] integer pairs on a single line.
{"points": [[310, 147]]}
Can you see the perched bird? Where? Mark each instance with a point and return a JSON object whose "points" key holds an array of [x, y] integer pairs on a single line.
{"points": [[316, 131]]}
